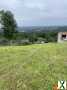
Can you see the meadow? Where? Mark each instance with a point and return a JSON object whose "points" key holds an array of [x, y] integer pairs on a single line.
{"points": [[32, 67]]}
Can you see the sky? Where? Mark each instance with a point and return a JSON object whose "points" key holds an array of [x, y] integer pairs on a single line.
{"points": [[37, 12]]}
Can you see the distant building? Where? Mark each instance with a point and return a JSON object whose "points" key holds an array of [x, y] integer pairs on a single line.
{"points": [[62, 36]]}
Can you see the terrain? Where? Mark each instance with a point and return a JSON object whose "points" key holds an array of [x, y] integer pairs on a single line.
{"points": [[32, 67]]}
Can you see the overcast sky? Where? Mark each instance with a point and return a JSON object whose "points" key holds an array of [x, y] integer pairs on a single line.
{"points": [[37, 12]]}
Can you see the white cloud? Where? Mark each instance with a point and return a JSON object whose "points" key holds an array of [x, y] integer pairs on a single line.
{"points": [[36, 9]]}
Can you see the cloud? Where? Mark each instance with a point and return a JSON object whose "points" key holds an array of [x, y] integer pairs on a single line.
{"points": [[37, 12], [47, 8]]}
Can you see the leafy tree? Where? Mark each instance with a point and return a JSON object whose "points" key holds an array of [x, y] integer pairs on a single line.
{"points": [[8, 24], [32, 37]]}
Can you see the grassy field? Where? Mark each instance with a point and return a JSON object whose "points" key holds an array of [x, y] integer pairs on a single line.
{"points": [[33, 67]]}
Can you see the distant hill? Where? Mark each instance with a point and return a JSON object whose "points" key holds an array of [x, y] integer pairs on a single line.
{"points": [[42, 29]]}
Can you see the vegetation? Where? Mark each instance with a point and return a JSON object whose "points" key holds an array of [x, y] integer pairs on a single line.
{"points": [[34, 67], [25, 38], [33, 37], [37, 35], [9, 28], [8, 24], [11, 34]]}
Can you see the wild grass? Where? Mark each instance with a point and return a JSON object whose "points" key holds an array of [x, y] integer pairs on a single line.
{"points": [[33, 67]]}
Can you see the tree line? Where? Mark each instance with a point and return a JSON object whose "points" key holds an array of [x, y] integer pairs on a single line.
{"points": [[9, 27]]}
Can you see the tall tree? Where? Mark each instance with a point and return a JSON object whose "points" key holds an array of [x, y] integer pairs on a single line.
{"points": [[8, 24]]}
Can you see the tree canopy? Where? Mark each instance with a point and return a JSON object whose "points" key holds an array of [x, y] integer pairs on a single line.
{"points": [[8, 24]]}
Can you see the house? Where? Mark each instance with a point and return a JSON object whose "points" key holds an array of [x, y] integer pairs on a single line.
{"points": [[62, 36]]}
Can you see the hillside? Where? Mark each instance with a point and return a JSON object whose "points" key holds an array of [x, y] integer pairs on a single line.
{"points": [[42, 28], [33, 67]]}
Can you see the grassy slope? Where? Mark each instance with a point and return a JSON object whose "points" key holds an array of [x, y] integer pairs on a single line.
{"points": [[34, 67]]}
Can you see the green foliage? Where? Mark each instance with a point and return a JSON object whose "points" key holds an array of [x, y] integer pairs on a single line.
{"points": [[41, 36], [8, 24], [32, 37], [51, 36]]}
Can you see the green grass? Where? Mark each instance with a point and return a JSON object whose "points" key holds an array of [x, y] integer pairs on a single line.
{"points": [[33, 67]]}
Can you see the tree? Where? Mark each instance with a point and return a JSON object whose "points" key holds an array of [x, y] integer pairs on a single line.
{"points": [[32, 37], [8, 24]]}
